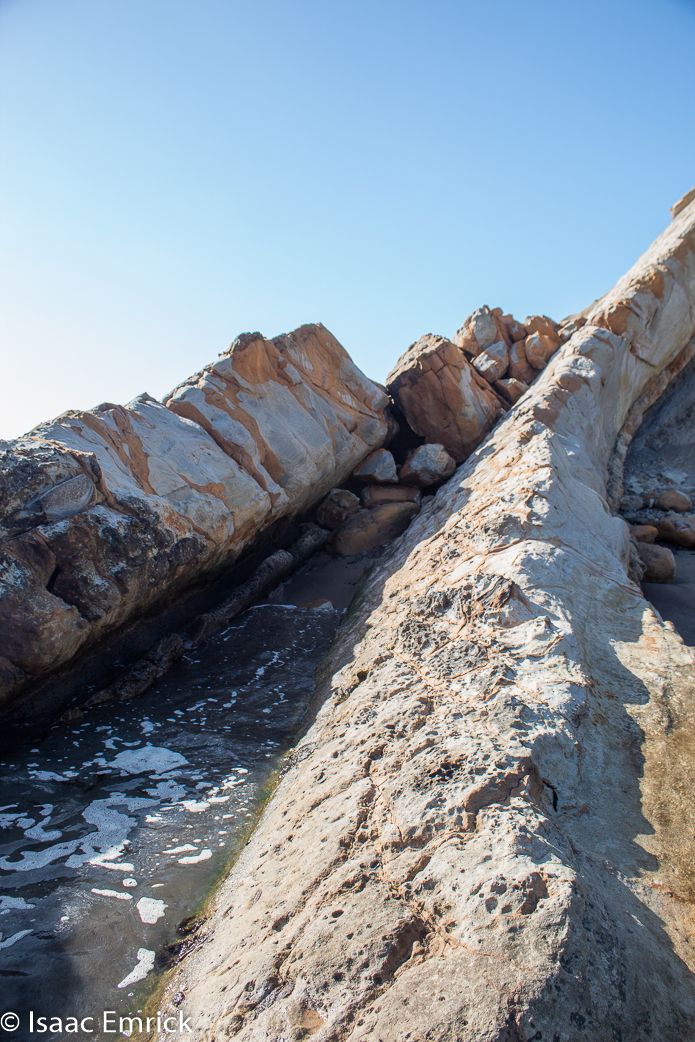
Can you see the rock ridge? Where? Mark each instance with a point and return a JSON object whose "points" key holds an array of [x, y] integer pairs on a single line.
{"points": [[111, 514], [487, 831]]}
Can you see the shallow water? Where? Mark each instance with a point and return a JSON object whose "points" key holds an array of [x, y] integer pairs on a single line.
{"points": [[115, 828]]}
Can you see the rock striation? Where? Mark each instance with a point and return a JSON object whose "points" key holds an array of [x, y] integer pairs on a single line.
{"points": [[487, 831], [108, 515]]}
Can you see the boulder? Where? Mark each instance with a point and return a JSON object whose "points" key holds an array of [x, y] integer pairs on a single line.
{"points": [[379, 468], [492, 363], [111, 514], [510, 389], [372, 528], [515, 329], [540, 348], [543, 325], [375, 495], [659, 563], [631, 501], [442, 396], [643, 533], [481, 330], [427, 465], [678, 530], [672, 499], [519, 367], [337, 507]]}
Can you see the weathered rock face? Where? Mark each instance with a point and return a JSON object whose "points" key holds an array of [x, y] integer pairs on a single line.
{"points": [[487, 833], [108, 514], [442, 396]]}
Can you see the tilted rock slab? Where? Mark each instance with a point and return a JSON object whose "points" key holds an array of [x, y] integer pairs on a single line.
{"points": [[487, 833], [112, 513]]}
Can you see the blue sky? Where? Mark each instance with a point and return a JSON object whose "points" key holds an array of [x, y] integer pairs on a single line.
{"points": [[174, 172]]}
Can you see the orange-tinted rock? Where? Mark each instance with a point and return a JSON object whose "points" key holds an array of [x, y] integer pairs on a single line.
{"points": [[379, 468], [510, 389], [337, 507], [672, 499], [372, 528], [481, 330], [127, 507], [678, 530], [539, 349], [544, 325], [680, 204], [375, 495], [519, 368], [427, 465], [515, 329], [442, 397], [659, 562], [644, 533], [492, 363]]}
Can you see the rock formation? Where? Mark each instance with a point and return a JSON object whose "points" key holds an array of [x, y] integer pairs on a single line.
{"points": [[487, 831], [109, 515]]}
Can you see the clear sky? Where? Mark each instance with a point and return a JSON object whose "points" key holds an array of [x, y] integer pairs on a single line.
{"points": [[175, 172]]}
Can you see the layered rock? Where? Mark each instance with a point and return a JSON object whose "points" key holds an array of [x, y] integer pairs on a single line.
{"points": [[110, 514], [487, 832]]}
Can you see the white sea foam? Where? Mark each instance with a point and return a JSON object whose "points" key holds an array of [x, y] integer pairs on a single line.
{"points": [[204, 855], [150, 909], [13, 939], [6, 903], [152, 759], [144, 965]]}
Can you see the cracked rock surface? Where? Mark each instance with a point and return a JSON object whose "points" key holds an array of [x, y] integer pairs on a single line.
{"points": [[487, 833], [110, 514]]}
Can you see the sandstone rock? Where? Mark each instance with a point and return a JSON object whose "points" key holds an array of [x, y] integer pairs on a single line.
{"points": [[442, 397], [678, 530], [539, 349], [375, 495], [659, 563], [483, 325], [487, 833], [680, 205], [510, 389], [481, 330], [379, 468], [337, 507], [515, 329], [519, 368], [672, 499], [543, 325], [427, 465], [113, 513], [372, 528], [643, 533], [492, 363]]}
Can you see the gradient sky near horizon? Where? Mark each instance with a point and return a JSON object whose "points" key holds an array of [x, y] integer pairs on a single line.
{"points": [[174, 172]]}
